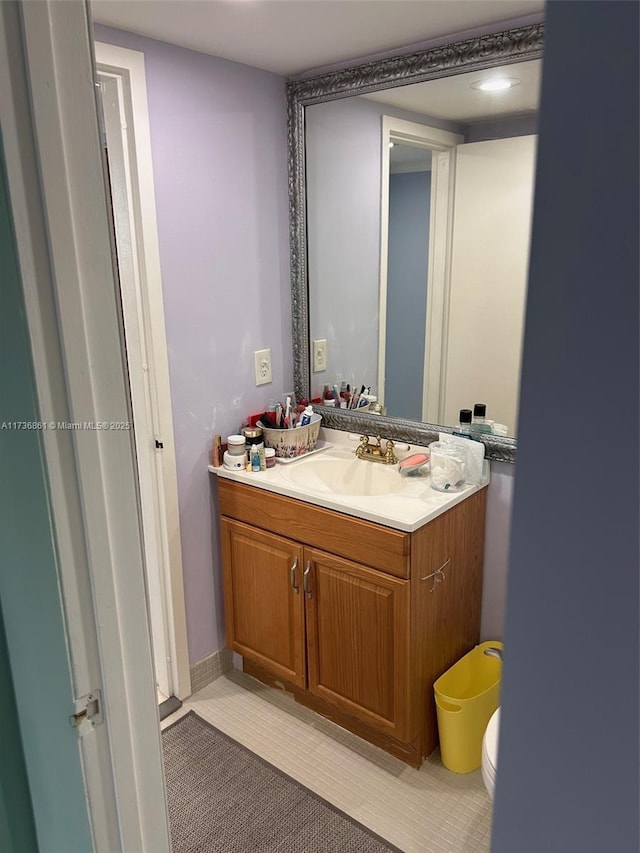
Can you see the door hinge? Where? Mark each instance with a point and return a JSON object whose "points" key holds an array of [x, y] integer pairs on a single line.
{"points": [[88, 712]]}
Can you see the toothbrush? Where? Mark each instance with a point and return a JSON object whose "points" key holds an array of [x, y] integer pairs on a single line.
{"points": [[287, 414]]}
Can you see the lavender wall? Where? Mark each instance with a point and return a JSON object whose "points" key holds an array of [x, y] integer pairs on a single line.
{"points": [[218, 137], [496, 550]]}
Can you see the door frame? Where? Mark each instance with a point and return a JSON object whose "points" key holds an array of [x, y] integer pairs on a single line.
{"points": [[143, 310], [60, 211], [442, 144]]}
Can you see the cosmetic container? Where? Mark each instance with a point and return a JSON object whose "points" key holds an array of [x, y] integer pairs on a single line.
{"points": [[448, 467], [253, 437], [234, 462], [236, 445], [327, 396], [371, 399], [216, 451], [255, 458], [479, 423], [270, 457]]}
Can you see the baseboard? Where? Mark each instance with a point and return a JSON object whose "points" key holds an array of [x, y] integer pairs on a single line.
{"points": [[212, 667]]}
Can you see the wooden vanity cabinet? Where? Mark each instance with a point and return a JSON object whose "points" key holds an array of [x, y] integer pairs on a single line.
{"points": [[342, 613], [264, 613]]}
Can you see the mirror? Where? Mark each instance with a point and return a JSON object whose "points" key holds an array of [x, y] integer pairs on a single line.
{"points": [[453, 337]]}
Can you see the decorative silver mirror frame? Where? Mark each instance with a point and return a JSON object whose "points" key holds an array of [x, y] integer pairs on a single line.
{"points": [[476, 54]]}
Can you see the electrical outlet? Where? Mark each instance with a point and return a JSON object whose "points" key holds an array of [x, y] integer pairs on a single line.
{"points": [[319, 356], [262, 363]]}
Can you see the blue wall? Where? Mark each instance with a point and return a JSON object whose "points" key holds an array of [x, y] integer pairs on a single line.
{"points": [[568, 755], [30, 600], [407, 269]]}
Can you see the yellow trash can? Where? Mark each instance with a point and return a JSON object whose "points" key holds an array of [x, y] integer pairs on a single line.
{"points": [[467, 694]]}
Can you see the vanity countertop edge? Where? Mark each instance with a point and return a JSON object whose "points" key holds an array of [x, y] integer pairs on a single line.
{"points": [[407, 512]]}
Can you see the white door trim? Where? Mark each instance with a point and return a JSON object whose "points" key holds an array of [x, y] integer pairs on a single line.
{"points": [[144, 316], [442, 143], [443, 166], [50, 128]]}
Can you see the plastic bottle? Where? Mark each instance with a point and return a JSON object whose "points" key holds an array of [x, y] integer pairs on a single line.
{"points": [[305, 418], [255, 458], [464, 424], [479, 423]]}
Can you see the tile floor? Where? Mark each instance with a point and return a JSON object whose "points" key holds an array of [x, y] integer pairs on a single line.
{"points": [[427, 811]]}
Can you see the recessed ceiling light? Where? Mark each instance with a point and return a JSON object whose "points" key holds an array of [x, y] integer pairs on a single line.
{"points": [[391, 144], [495, 84]]}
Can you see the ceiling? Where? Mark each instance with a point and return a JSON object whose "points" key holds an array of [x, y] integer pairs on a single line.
{"points": [[289, 37], [454, 99]]}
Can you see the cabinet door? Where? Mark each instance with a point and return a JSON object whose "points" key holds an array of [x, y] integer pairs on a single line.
{"points": [[264, 605], [358, 640]]}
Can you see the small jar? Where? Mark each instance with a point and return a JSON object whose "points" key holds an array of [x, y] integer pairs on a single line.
{"points": [[270, 456], [448, 467], [253, 437], [234, 463], [236, 445]]}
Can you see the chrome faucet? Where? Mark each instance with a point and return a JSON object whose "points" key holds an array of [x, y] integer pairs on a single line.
{"points": [[375, 451]]}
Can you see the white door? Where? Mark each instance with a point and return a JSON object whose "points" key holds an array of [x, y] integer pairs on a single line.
{"points": [[142, 394], [126, 130], [493, 205]]}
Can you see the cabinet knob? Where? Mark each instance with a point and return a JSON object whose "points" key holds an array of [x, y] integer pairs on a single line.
{"points": [[292, 576], [305, 580]]}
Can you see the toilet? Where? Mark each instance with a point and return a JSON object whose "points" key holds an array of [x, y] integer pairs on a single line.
{"points": [[490, 752]]}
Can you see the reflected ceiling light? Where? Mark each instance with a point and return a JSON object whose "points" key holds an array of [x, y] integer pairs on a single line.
{"points": [[496, 84]]}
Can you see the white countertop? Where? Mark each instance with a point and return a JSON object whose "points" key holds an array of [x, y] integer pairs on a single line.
{"points": [[408, 509]]}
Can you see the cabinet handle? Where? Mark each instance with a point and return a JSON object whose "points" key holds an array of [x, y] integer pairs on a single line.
{"points": [[305, 580], [292, 576]]}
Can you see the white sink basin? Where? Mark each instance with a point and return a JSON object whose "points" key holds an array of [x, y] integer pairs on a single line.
{"points": [[351, 476]]}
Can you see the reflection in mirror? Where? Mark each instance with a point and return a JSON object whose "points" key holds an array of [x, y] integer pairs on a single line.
{"points": [[418, 251], [407, 267]]}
